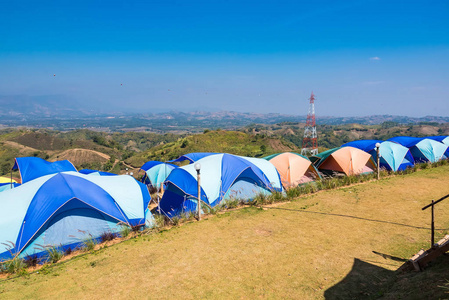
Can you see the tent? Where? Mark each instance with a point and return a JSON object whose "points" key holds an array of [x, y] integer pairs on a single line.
{"points": [[266, 167], [63, 209], [4, 179], [156, 172], [8, 186], [347, 160], [422, 149], [293, 168], [33, 167], [223, 177], [192, 157], [442, 139], [393, 156], [7, 183], [96, 172]]}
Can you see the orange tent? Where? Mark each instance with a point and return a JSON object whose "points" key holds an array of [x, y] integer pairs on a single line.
{"points": [[293, 168], [348, 160]]}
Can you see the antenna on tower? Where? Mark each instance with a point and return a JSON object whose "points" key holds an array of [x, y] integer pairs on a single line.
{"points": [[309, 142]]}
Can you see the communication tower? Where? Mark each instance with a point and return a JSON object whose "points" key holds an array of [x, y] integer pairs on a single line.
{"points": [[309, 142]]}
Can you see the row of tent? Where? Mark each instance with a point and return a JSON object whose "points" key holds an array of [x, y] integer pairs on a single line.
{"points": [[55, 205], [229, 176]]}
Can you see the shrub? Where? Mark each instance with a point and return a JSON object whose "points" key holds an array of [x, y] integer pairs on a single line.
{"points": [[190, 215], [68, 251], [107, 236], [31, 260], [175, 220], [89, 243], [160, 221], [214, 210], [125, 231], [293, 193], [54, 254], [259, 199], [424, 166], [13, 266], [277, 196], [232, 203], [136, 228]]}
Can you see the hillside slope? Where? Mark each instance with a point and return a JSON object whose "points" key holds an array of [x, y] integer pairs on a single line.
{"points": [[82, 157], [233, 142], [330, 136]]}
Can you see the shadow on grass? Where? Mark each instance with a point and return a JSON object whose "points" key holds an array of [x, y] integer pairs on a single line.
{"points": [[353, 217], [364, 281], [368, 281]]}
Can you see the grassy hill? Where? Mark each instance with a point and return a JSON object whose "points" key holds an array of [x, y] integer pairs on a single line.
{"points": [[114, 151], [330, 136], [337, 244], [233, 142], [84, 148], [132, 149]]}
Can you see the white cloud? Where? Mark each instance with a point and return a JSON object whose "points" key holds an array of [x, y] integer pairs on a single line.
{"points": [[374, 58]]}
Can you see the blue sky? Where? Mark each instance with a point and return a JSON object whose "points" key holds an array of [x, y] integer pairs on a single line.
{"points": [[359, 57]]}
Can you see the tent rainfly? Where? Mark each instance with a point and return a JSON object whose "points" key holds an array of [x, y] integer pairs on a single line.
{"points": [[422, 149], [223, 177], [96, 173], [393, 156], [347, 160], [33, 167], [293, 168], [63, 209], [156, 172]]}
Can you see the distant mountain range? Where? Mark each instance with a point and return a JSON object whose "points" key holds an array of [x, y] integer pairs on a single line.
{"points": [[58, 112]]}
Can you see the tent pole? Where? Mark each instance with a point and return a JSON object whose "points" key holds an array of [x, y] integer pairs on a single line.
{"points": [[159, 198], [432, 240], [199, 195], [378, 160], [11, 178]]}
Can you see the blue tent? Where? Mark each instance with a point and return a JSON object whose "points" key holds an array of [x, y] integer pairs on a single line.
{"points": [[96, 172], [156, 172], [63, 209], [223, 176], [442, 139], [192, 157], [8, 186], [422, 149], [33, 167], [393, 156]]}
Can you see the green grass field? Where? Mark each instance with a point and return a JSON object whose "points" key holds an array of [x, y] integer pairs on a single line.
{"points": [[338, 244]]}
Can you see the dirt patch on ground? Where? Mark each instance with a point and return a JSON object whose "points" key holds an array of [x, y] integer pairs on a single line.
{"points": [[429, 130], [81, 156], [277, 145], [22, 149], [263, 232]]}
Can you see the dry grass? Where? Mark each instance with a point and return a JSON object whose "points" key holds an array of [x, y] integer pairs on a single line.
{"points": [[81, 156], [301, 250]]}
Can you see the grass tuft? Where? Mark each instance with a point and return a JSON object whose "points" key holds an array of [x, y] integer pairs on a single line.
{"points": [[13, 266], [125, 231], [54, 254], [31, 260], [107, 236], [175, 220], [89, 243]]}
